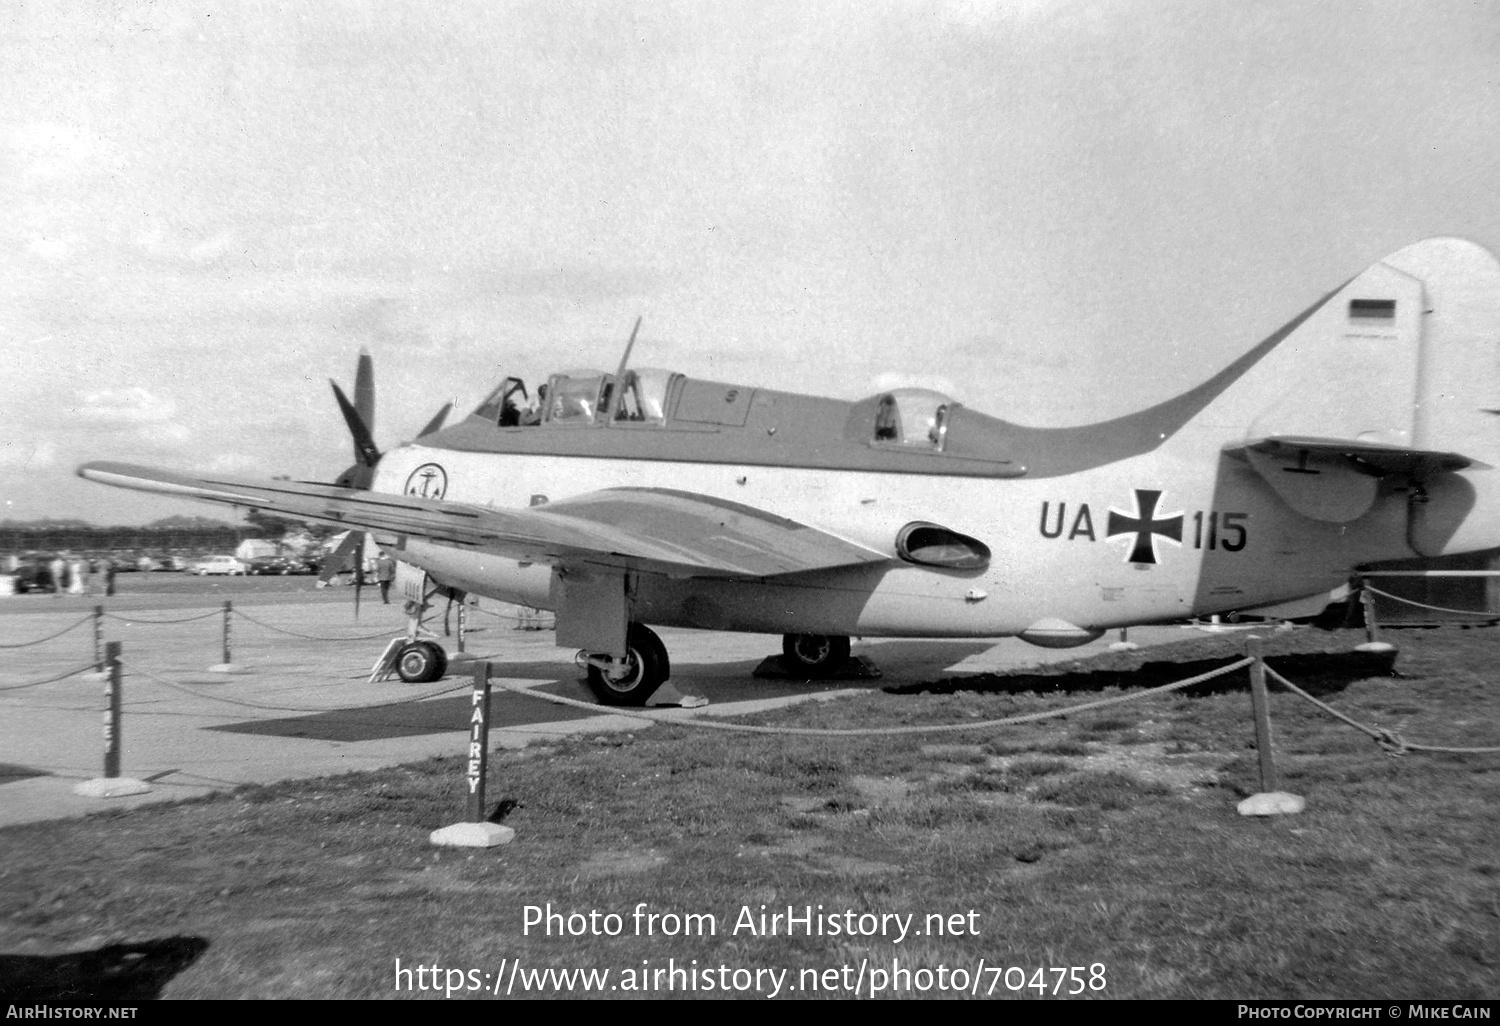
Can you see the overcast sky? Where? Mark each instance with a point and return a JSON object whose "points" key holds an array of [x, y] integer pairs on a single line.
{"points": [[1056, 210]]}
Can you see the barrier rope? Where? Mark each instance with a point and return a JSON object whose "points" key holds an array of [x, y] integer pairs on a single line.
{"points": [[86, 668], [294, 708], [1393, 743], [73, 626], [512, 617], [308, 637], [884, 731], [185, 619], [1486, 614]]}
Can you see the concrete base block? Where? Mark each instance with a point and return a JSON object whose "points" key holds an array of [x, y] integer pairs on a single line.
{"points": [[1272, 803], [472, 835], [227, 668], [1375, 646], [855, 668], [110, 787], [1123, 646]]}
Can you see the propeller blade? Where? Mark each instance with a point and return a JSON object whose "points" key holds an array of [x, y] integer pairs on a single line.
{"points": [[365, 452], [364, 390], [335, 563], [436, 422], [359, 574]]}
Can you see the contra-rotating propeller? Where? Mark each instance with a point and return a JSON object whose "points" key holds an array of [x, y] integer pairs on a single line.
{"points": [[360, 417]]}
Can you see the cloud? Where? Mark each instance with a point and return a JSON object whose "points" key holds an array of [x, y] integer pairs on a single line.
{"points": [[48, 149], [28, 454], [895, 379], [125, 406]]}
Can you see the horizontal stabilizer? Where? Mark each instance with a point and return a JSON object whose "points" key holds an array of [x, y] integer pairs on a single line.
{"points": [[1335, 479], [1375, 458]]}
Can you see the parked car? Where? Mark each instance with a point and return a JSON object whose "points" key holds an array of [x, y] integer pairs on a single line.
{"points": [[267, 565], [219, 565], [32, 576]]}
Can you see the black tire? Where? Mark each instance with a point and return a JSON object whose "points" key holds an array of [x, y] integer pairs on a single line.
{"points": [[816, 655], [421, 662], [649, 670]]}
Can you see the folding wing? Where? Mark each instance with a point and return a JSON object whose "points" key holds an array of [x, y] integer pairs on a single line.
{"points": [[657, 530]]}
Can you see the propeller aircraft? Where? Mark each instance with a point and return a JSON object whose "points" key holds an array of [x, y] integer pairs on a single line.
{"points": [[1362, 430]]}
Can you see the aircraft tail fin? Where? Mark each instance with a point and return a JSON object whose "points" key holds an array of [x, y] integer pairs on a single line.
{"points": [[1406, 354], [1395, 373]]}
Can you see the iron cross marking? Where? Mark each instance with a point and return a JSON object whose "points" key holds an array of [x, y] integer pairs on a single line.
{"points": [[1144, 526]]}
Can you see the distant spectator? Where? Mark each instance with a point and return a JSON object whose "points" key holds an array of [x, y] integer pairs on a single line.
{"points": [[109, 577], [385, 573], [59, 570]]}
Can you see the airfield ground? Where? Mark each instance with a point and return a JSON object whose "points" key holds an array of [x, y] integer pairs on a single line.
{"points": [[303, 707], [1105, 841]]}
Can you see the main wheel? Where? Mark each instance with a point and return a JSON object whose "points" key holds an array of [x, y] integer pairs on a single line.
{"points": [[646, 669], [816, 655], [420, 662]]}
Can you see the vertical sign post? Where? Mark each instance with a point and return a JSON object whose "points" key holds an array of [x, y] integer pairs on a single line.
{"points": [[98, 639], [112, 713], [479, 742], [1261, 705], [227, 610], [463, 619]]}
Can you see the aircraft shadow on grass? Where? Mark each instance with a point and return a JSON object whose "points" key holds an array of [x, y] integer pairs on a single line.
{"points": [[114, 973], [1319, 674]]}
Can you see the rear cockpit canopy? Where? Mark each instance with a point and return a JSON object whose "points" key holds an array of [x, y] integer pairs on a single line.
{"points": [[914, 418]]}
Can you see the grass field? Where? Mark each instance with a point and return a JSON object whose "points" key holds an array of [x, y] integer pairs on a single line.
{"points": [[1105, 841]]}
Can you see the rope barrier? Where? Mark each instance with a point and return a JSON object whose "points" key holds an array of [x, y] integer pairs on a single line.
{"points": [[513, 618], [1486, 614], [884, 731], [74, 626], [294, 708], [136, 619], [86, 668], [308, 637], [1392, 742]]}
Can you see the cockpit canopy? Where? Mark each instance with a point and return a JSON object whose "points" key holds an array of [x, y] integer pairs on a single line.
{"points": [[912, 417], [581, 397]]}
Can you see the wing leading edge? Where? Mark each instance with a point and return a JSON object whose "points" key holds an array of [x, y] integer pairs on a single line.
{"points": [[678, 533]]}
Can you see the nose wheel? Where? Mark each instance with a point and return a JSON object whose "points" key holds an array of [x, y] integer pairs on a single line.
{"points": [[815, 655], [421, 662], [634, 679]]}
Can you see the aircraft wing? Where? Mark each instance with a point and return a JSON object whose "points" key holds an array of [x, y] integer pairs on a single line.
{"points": [[659, 530]]}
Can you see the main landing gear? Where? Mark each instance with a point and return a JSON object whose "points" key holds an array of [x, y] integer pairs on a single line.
{"points": [[814, 655], [634, 679]]}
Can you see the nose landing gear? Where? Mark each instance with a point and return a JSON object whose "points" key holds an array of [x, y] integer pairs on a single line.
{"points": [[421, 662]]}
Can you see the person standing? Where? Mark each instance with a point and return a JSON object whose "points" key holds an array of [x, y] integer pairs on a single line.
{"points": [[385, 573]]}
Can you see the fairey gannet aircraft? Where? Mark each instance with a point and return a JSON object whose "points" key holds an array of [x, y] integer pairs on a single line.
{"points": [[1362, 430]]}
